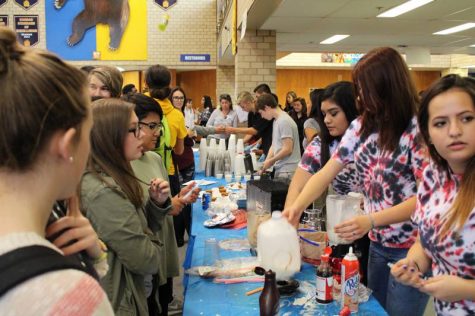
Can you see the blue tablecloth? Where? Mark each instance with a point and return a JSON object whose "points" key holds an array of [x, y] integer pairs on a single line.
{"points": [[203, 297]]}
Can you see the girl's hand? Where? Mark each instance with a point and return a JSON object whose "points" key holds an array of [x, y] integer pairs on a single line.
{"points": [[191, 197], [292, 215], [405, 271], [77, 232], [354, 228], [447, 288], [159, 190]]}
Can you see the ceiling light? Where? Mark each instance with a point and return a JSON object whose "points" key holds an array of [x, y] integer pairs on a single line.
{"points": [[456, 29], [334, 39], [469, 66], [472, 45], [403, 8]]}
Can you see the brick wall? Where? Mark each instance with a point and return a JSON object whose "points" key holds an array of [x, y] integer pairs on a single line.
{"points": [[191, 30], [225, 81]]}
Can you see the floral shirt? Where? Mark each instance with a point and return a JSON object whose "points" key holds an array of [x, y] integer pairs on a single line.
{"points": [[344, 182], [386, 178], [454, 254]]}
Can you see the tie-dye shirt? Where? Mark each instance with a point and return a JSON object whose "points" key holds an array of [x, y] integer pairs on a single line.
{"points": [[386, 178], [451, 255], [344, 182]]}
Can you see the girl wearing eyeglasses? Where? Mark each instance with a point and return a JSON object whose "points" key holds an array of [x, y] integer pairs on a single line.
{"points": [[113, 200]]}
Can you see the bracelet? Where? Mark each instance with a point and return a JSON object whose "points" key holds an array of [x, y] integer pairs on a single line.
{"points": [[372, 220]]}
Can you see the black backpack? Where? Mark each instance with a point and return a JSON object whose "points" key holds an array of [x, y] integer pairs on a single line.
{"points": [[22, 264]]}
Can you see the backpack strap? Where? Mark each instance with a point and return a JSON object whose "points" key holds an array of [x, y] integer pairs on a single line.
{"points": [[22, 264]]}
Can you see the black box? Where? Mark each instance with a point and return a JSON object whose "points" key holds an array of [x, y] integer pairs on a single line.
{"points": [[266, 195]]}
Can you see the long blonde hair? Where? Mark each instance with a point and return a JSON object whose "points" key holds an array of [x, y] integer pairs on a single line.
{"points": [[465, 201]]}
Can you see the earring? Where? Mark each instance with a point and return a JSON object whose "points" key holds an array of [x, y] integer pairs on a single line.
{"points": [[71, 159]]}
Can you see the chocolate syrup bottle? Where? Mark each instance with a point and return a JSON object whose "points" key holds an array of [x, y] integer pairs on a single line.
{"points": [[324, 281], [269, 299]]}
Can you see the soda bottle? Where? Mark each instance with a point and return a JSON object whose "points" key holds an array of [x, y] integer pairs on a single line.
{"points": [[325, 280], [350, 280], [269, 299]]}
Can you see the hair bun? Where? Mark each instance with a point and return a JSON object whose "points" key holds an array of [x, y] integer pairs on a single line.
{"points": [[9, 48]]}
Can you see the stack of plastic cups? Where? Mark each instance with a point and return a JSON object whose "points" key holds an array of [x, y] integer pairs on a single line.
{"points": [[222, 146], [254, 161], [239, 168], [212, 145], [240, 146], [203, 154], [232, 149]]}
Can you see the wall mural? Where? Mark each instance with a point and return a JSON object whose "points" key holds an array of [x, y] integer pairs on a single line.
{"points": [[117, 29]]}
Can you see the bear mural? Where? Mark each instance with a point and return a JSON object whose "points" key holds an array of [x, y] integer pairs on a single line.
{"points": [[114, 13]]}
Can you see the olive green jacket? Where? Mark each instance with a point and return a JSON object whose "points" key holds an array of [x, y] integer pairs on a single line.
{"points": [[148, 167], [133, 247]]}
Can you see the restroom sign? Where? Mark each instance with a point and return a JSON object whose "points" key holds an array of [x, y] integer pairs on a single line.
{"points": [[165, 4]]}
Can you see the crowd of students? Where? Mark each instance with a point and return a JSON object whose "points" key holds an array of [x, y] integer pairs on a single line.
{"points": [[119, 162]]}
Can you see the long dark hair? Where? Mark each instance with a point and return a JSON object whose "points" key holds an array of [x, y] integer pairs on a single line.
{"points": [[208, 104], [342, 94], [227, 97], [158, 80], [465, 200], [111, 122], [316, 99], [386, 95]]}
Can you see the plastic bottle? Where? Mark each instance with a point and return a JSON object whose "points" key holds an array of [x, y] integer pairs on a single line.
{"points": [[324, 280], [350, 280], [278, 246], [269, 298]]}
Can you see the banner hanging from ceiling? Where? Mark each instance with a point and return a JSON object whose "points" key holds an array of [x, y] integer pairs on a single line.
{"points": [[26, 27], [3, 20], [165, 4], [26, 4]]}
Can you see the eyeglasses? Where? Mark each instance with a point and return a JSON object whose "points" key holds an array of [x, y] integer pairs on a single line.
{"points": [[179, 98], [154, 127], [135, 130]]}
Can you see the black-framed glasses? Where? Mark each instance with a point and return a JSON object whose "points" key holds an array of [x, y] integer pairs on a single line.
{"points": [[135, 130], [154, 127], [179, 98]]}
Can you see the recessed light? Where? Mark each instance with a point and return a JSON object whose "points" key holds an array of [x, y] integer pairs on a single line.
{"points": [[403, 8], [472, 45], [456, 29], [334, 39]]}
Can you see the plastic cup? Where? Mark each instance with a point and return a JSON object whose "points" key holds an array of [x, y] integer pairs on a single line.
{"points": [[247, 177], [228, 177], [219, 175], [211, 252], [257, 177]]}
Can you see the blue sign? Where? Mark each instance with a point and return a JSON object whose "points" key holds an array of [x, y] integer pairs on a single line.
{"points": [[194, 58]]}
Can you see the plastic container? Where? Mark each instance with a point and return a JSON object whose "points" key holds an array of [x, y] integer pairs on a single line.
{"points": [[339, 209], [278, 247], [312, 245]]}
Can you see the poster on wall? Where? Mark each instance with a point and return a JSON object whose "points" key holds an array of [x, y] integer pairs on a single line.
{"points": [[340, 58], [165, 4], [3, 20], [74, 29], [2, 2], [26, 27], [26, 4]]}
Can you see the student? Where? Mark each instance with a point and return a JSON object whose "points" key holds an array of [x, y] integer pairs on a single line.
{"points": [[257, 127], [43, 151], [207, 109], [445, 212], [337, 111], [113, 200], [261, 89], [185, 164], [383, 145], [147, 167], [284, 154], [105, 82], [129, 88], [289, 99], [224, 116], [311, 128], [299, 115], [158, 80]]}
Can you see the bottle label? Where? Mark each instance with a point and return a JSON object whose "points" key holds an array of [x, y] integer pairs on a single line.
{"points": [[350, 284], [324, 288]]}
